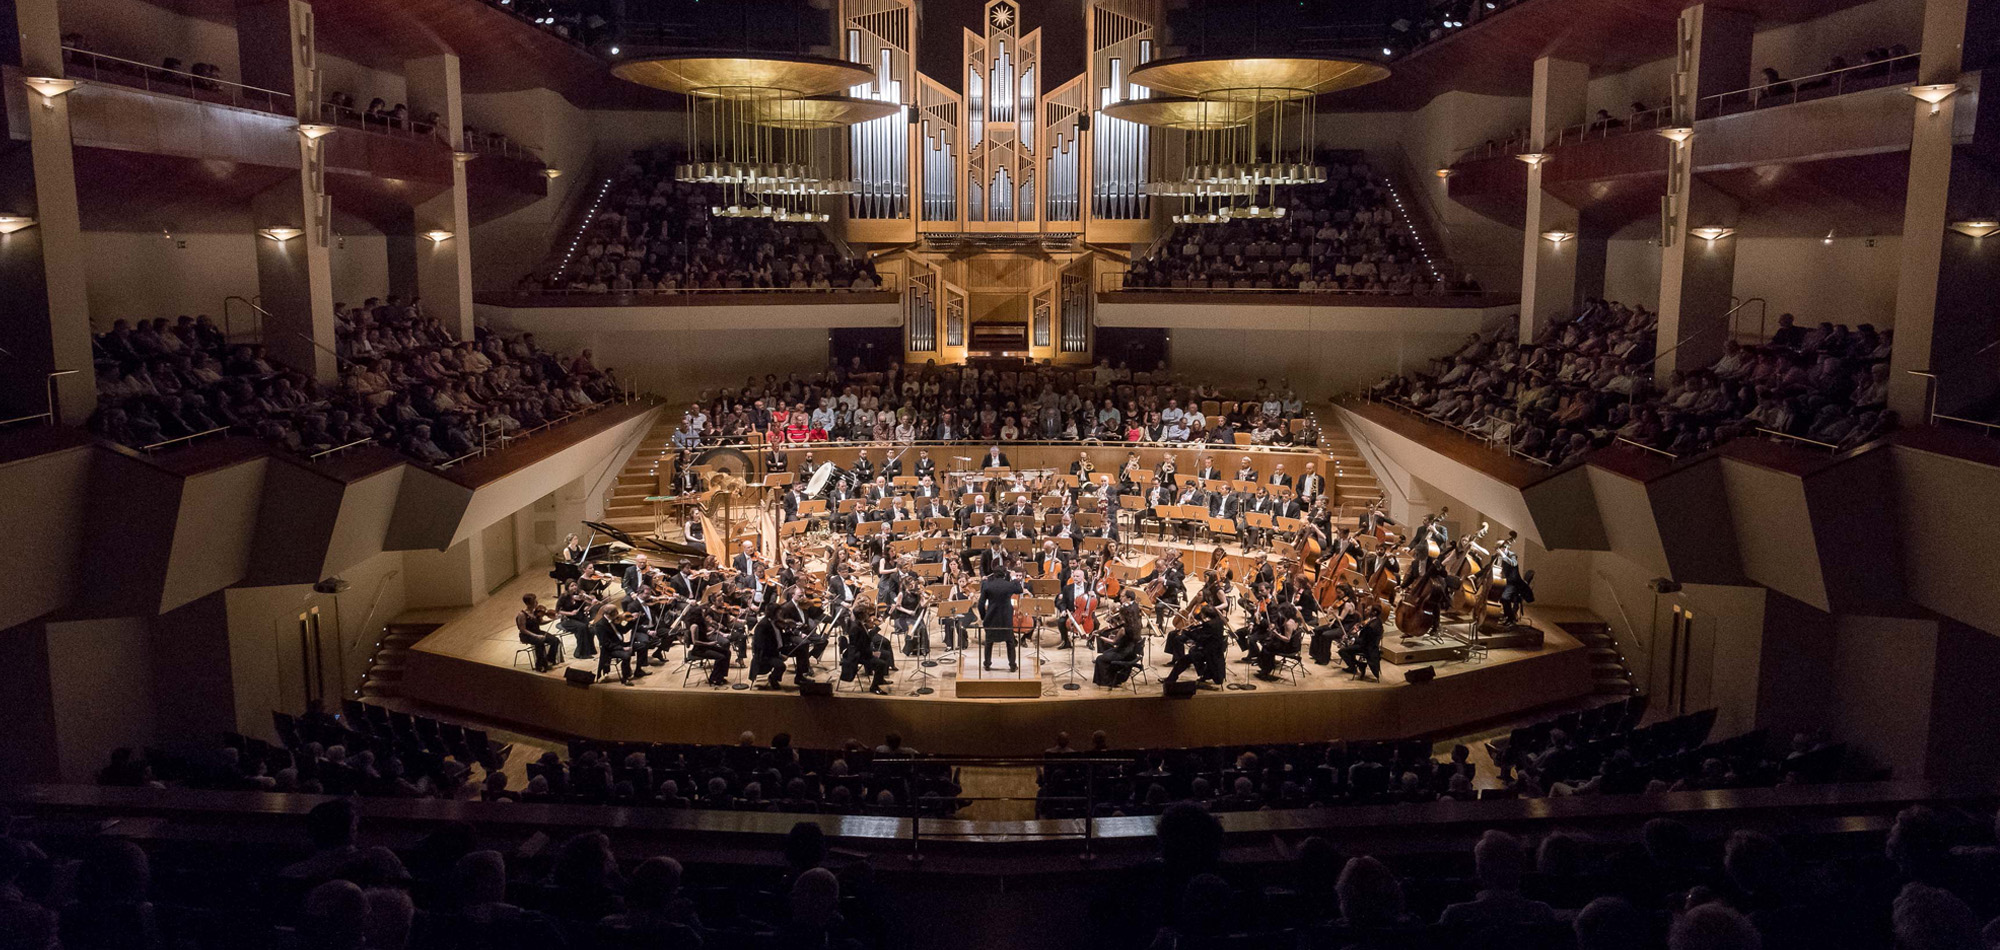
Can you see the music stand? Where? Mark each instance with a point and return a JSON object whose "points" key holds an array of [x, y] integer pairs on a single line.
{"points": [[959, 608], [1069, 674]]}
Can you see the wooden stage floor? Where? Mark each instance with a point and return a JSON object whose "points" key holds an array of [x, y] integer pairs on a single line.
{"points": [[471, 664]]}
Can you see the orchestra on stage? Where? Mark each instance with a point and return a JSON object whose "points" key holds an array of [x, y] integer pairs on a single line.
{"points": [[904, 563]]}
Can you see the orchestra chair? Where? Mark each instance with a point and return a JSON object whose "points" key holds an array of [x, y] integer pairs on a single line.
{"points": [[1292, 663]]}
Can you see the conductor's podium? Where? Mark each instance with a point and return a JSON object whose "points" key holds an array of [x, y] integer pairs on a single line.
{"points": [[998, 682]]}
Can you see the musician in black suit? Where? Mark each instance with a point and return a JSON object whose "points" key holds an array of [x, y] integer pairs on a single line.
{"points": [[635, 575], [892, 467], [1200, 647], [996, 605], [866, 649], [772, 640], [1363, 655], [1278, 476], [862, 469], [1516, 590], [1155, 497], [924, 467], [974, 514], [1311, 485], [1119, 645], [612, 643], [995, 458], [1285, 508], [1208, 471], [749, 569]]}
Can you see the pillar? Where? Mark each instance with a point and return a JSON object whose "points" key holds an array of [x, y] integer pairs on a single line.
{"points": [[1944, 311], [47, 327], [1697, 274], [294, 273], [442, 268], [1549, 267]]}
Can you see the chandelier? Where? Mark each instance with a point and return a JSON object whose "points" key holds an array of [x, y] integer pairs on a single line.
{"points": [[762, 128], [1247, 126]]}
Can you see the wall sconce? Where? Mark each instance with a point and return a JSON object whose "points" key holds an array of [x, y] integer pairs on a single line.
{"points": [[1934, 93], [10, 223], [49, 89], [438, 235], [463, 157], [1558, 235], [280, 235], [1711, 233], [1679, 134], [1829, 237], [1976, 228], [1534, 159], [312, 132], [1444, 172], [552, 173]]}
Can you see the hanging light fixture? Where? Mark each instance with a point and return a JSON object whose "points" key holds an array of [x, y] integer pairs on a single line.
{"points": [[761, 127], [1711, 232], [1247, 125]]}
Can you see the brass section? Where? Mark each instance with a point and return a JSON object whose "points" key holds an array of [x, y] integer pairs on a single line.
{"points": [[733, 77], [1257, 78], [1180, 112], [819, 112]]}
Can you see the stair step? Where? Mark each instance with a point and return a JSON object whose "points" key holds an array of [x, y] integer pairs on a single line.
{"points": [[385, 673]]}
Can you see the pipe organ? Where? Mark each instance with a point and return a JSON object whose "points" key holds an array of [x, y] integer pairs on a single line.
{"points": [[882, 34], [989, 150]]}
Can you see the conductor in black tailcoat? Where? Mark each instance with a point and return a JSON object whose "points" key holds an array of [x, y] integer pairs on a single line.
{"points": [[996, 604]]}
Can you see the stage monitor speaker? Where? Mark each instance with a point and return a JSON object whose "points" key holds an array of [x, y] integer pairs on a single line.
{"points": [[1420, 674], [816, 688], [1178, 690], [580, 676]]}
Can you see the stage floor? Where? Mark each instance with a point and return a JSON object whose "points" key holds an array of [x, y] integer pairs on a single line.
{"points": [[472, 663]]}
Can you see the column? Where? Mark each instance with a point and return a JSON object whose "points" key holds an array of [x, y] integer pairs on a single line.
{"points": [[442, 266], [1548, 266], [294, 217], [1944, 311], [47, 327], [1698, 273]]}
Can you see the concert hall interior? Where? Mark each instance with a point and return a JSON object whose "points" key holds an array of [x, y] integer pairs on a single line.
{"points": [[950, 474]]}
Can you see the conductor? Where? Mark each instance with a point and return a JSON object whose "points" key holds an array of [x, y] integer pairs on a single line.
{"points": [[996, 605]]}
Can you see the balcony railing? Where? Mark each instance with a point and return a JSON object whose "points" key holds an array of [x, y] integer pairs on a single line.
{"points": [[379, 122], [1114, 282], [1837, 82], [484, 144], [97, 67]]}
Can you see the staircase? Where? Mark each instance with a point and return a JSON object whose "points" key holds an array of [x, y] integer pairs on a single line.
{"points": [[627, 509], [1353, 482], [1607, 663], [384, 676]]}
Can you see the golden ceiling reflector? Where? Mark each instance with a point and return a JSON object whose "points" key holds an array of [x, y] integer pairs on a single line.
{"points": [[764, 76], [1185, 112], [818, 112], [1257, 78]]}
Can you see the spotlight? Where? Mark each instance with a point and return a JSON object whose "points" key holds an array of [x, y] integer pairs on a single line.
{"points": [[1934, 93], [1533, 159], [1976, 228], [49, 89], [1558, 235], [1680, 134], [313, 131], [438, 235]]}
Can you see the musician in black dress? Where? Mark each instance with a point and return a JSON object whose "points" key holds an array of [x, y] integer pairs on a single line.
{"points": [[996, 605], [771, 640], [1281, 640], [866, 649], [1119, 646], [707, 641], [1172, 582], [909, 607], [1363, 655], [573, 617]]}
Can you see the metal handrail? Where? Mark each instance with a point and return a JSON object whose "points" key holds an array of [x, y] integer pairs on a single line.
{"points": [[316, 456], [1105, 286], [184, 84], [257, 328], [690, 291], [486, 143], [150, 449], [1724, 323], [1773, 433], [1989, 427], [1837, 79], [1763, 312], [1646, 121], [1930, 393], [490, 442], [351, 118], [1646, 447], [1489, 442], [48, 412], [338, 359]]}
